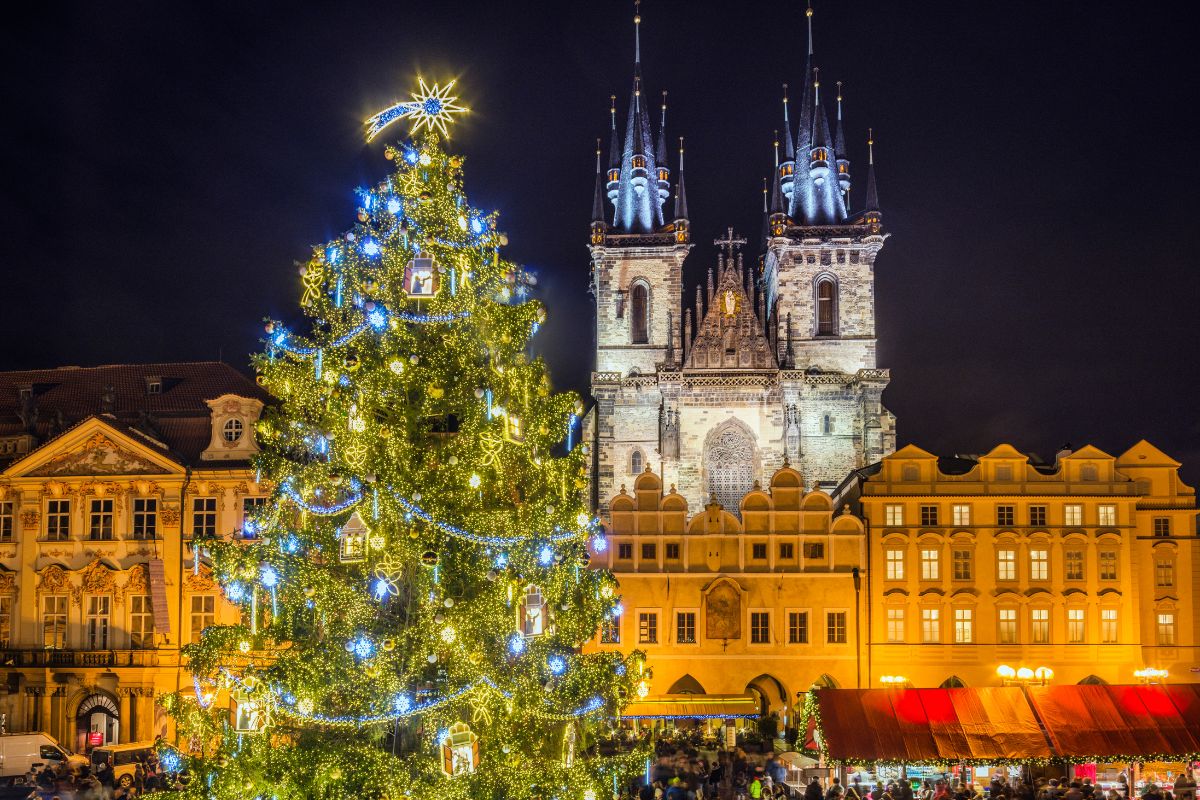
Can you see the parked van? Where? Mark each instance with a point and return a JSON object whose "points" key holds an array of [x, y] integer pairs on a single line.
{"points": [[21, 752], [124, 759]]}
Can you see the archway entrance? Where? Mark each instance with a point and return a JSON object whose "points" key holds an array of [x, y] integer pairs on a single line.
{"points": [[768, 691], [686, 685], [98, 722]]}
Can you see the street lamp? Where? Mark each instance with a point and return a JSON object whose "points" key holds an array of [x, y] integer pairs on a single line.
{"points": [[1024, 676], [1148, 675], [893, 680]]}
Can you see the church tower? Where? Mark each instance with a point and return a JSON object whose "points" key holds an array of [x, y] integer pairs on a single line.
{"points": [[819, 279], [638, 242]]}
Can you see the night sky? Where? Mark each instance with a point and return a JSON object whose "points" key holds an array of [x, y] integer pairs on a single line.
{"points": [[165, 166]]}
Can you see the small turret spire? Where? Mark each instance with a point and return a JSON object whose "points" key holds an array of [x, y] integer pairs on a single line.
{"points": [[789, 147], [872, 209], [598, 196], [809, 13], [764, 195], [870, 147], [777, 150], [614, 146], [660, 154], [637, 33], [681, 209]]}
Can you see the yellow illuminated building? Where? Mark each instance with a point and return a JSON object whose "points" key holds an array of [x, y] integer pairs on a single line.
{"points": [[107, 474]]}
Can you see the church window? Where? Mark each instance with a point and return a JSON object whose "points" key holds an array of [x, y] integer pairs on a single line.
{"points": [[826, 308], [729, 464], [635, 462], [827, 425], [639, 162], [639, 324]]}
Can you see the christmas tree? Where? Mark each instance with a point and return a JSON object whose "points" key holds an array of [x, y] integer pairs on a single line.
{"points": [[414, 599]]}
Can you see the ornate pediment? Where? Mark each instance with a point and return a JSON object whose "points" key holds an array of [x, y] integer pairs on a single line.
{"points": [[730, 336], [99, 455], [54, 579]]}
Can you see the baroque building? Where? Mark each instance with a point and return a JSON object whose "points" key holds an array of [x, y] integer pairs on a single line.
{"points": [[106, 474], [774, 364]]}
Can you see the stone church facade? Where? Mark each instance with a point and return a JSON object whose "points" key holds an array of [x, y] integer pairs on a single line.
{"points": [[773, 363]]}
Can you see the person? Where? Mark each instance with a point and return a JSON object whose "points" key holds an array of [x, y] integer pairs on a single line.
{"points": [[855, 791], [927, 790], [813, 790], [835, 791], [756, 787], [1185, 786], [1074, 791], [739, 785]]}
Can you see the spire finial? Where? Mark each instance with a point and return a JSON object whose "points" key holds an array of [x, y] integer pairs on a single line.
{"points": [[664, 110], [637, 31], [597, 155], [764, 195], [612, 110], [776, 149], [785, 105], [809, 14], [871, 146], [816, 86], [839, 100], [681, 154]]}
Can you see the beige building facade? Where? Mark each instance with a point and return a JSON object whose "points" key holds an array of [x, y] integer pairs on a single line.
{"points": [[111, 472]]}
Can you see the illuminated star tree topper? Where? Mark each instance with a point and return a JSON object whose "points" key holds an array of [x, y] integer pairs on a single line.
{"points": [[430, 107]]}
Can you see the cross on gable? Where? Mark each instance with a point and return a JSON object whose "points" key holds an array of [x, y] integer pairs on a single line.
{"points": [[729, 241]]}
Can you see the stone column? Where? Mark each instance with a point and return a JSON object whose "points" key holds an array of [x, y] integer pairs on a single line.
{"points": [[43, 718], [127, 726]]}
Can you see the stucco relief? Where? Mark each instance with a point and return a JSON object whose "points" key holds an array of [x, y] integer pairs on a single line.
{"points": [[98, 456], [723, 612]]}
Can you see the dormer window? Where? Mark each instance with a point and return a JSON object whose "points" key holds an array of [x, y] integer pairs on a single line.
{"points": [[25, 393], [233, 420], [153, 385], [232, 430], [639, 162]]}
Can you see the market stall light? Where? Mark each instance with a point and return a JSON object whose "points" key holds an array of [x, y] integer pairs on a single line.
{"points": [[1006, 672], [1150, 675], [893, 680]]}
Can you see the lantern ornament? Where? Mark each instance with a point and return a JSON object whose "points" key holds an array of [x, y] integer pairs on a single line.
{"points": [[352, 545], [460, 750], [250, 716], [421, 279], [532, 612]]}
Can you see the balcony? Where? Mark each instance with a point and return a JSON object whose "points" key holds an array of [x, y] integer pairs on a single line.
{"points": [[82, 658]]}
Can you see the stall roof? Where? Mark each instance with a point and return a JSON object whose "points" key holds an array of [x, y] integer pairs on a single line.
{"points": [[692, 706], [901, 725], [1120, 723]]}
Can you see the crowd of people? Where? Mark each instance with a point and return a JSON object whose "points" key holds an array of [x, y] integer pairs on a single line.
{"points": [[98, 781]]}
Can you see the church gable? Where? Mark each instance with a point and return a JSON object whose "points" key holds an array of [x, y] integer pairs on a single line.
{"points": [[730, 335], [93, 448]]}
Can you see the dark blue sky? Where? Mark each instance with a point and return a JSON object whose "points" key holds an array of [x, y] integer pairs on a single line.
{"points": [[165, 164]]}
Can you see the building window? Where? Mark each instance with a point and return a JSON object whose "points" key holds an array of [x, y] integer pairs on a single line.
{"points": [[964, 625], [672, 551], [649, 551], [58, 520], [648, 627], [1108, 625], [787, 551], [204, 614], [639, 162], [1039, 565], [1073, 565], [758, 550], [931, 625], [1006, 565], [1004, 473], [1006, 626], [232, 430], [760, 627], [610, 630], [893, 515], [1039, 625], [1162, 526], [54, 621], [625, 550], [814, 550], [6, 521], [639, 328], [1037, 516], [826, 308], [100, 519], [145, 518], [894, 559], [1006, 516], [1076, 629], [1164, 573], [204, 517], [251, 507], [961, 513], [1108, 516], [929, 515], [930, 564], [797, 627], [685, 627], [6, 607], [1073, 515], [97, 622], [835, 627], [1166, 629], [895, 624], [1108, 565], [911, 472], [962, 565], [141, 622], [635, 462], [827, 425]]}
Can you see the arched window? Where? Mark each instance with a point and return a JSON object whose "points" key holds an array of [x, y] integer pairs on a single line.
{"points": [[827, 425], [635, 463], [826, 308], [638, 307], [639, 162]]}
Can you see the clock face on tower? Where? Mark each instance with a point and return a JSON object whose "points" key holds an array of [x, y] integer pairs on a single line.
{"points": [[731, 303]]}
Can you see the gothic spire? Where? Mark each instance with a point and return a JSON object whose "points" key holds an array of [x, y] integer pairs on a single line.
{"points": [[681, 209], [614, 147], [598, 196], [660, 151], [872, 192], [839, 138], [789, 144]]}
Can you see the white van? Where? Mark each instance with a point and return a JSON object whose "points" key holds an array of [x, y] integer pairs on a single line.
{"points": [[20, 752]]}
